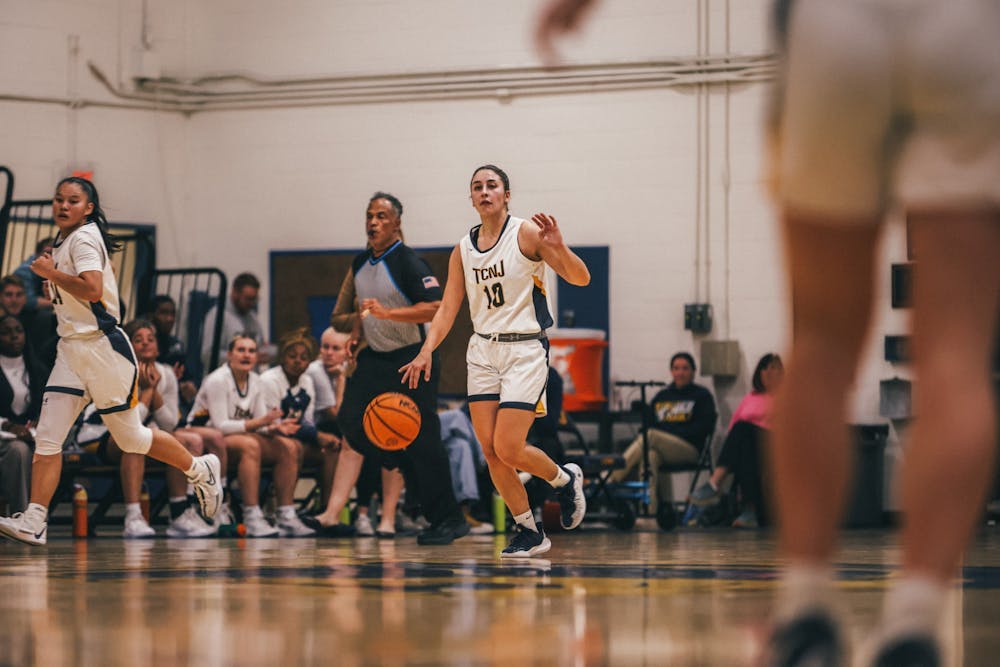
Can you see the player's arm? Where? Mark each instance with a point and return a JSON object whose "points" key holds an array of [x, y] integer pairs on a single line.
{"points": [[444, 319], [345, 312], [418, 313], [544, 240], [88, 286]]}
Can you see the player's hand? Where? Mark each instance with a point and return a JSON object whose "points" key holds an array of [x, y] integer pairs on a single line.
{"points": [[273, 415], [548, 228], [178, 370], [149, 377], [44, 265], [374, 308], [557, 18], [287, 427], [421, 365]]}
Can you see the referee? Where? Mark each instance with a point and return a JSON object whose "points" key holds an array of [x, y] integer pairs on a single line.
{"points": [[397, 294]]}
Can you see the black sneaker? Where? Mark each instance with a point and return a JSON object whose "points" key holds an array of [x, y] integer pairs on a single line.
{"points": [[909, 651], [526, 543], [445, 532], [811, 639], [571, 499]]}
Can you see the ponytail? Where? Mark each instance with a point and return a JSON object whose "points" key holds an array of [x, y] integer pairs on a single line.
{"points": [[111, 243]]}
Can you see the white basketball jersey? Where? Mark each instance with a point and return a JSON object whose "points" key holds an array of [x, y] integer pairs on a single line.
{"points": [[83, 250], [506, 290]]}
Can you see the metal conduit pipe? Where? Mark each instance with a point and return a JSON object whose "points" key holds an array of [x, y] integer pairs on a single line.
{"points": [[253, 93]]}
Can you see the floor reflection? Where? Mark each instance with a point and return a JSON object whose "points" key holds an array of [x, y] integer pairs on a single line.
{"points": [[600, 599]]}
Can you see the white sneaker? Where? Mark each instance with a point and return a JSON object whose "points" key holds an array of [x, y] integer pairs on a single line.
{"points": [[289, 525], [224, 517], [363, 526], [189, 524], [21, 528], [136, 527], [207, 482], [256, 524]]}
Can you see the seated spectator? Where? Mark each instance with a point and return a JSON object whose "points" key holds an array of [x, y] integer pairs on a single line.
{"points": [[34, 290], [290, 389], [331, 369], [39, 326], [22, 380], [682, 418], [158, 408], [172, 351], [467, 460], [239, 317], [229, 400], [740, 455]]}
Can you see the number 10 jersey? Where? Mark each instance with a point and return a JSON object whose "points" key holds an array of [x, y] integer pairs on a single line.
{"points": [[506, 290]]}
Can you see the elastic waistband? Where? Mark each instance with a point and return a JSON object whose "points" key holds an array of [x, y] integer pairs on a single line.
{"points": [[512, 337]]}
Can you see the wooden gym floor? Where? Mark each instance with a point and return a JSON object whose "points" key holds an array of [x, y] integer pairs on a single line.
{"points": [[601, 597]]}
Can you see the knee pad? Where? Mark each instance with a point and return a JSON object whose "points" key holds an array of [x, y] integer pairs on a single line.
{"points": [[129, 433]]}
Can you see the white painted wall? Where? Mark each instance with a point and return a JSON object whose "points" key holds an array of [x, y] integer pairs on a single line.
{"points": [[616, 168]]}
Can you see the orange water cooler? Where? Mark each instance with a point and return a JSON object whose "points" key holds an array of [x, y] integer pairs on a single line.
{"points": [[578, 357]]}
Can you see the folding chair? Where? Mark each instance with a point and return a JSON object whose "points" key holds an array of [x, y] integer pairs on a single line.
{"points": [[597, 469], [666, 513]]}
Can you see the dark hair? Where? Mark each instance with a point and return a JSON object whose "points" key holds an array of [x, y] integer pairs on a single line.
{"points": [[685, 356], [11, 280], [161, 299], [43, 244], [8, 316], [765, 361], [396, 204], [135, 325], [300, 336], [246, 280], [97, 215], [500, 172]]}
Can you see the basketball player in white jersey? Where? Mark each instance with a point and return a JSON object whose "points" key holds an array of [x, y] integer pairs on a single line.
{"points": [[94, 362], [500, 266]]}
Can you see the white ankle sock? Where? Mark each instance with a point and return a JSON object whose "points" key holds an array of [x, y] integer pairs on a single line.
{"points": [[561, 479], [193, 470], [132, 509], [527, 520], [914, 605], [38, 512], [804, 587], [286, 510]]}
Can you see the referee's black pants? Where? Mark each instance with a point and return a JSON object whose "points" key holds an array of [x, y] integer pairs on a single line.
{"points": [[425, 462]]}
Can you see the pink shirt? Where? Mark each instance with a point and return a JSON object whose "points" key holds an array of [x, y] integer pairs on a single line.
{"points": [[754, 408]]}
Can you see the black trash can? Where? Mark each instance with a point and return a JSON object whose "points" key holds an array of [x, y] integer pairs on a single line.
{"points": [[866, 500]]}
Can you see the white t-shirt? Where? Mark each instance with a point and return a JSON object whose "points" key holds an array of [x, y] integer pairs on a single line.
{"points": [[221, 405], [296, 402], [325, 385]]}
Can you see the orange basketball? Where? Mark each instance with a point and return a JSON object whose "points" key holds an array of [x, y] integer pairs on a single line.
{"points": [[392, 420]]}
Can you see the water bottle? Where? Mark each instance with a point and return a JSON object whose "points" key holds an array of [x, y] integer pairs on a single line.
{"points": [[80, 528]]}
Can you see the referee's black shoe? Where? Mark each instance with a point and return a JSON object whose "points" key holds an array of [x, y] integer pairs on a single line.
{"points": [[444, 532]]}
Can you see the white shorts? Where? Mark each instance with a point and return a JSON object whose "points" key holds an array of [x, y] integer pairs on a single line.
{"points": [[884, 97], [101, 369], [515, 374]]}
